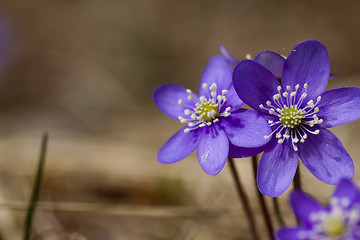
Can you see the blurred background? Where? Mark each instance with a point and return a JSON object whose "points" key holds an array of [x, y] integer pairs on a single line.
{"points": [[84, 72]]}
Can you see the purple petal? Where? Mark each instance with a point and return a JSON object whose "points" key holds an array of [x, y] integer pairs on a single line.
{"points": [[233, 100], [333, 76], [241, 152], [271, 61], [307, 63], [213, 149], [166, 98], [339, 106], [228, 56], [291, 233], [179, 146], [277, 168], [218, 71], [246, 128], [326, 158], [304, 205], [254, 83], [347, 189]]}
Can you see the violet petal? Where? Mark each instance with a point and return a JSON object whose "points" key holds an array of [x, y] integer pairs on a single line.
{"points": [[339, 106], [166, 98], [326, 158], [179, 146], [272, 61], [277, 168], [213, 149], [217, 71], [254, 84], [246, 128], [307, 63]]}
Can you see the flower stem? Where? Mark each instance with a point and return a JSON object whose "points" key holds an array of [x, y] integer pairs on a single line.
{"points": [[278, 214], [243, 199], [297, 184], [36, 189], [297, 180], [263, 206]]}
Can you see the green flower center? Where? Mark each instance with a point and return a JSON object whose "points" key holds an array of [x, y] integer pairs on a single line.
{"points": [[291, 117], [208, 110], [334, 227]]}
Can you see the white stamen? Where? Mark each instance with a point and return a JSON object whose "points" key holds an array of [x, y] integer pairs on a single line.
{"points": [[207, 110], [295, 118]]}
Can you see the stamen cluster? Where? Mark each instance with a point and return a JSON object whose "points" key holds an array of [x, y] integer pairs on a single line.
{"points": [[294, 120], [340, 223], [205, 112]]}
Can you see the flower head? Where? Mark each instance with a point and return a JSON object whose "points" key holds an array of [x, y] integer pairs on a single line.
{"points": [[215, 124], [299, 111], [340, 220]]}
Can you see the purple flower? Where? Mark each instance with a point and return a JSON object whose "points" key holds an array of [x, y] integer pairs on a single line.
{"points": [[299, 111], [215, 124], [339, 221]]}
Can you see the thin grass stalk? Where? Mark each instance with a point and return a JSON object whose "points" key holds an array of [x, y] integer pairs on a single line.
{"points": [[297, 179], [264, 209], [243, 199], [36, 189], [278, 214]]}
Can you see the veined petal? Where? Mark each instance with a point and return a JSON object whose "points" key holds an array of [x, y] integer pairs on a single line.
{"points": [[228, 56], [242, 152], [213, 149], [326, 158], [307, 63], [277, 168], [291, 233], [179, 146], [346, 189], [166, 98], [233, 100], [339, 106], [246, 128], [217, 71], [271, 61], [304, 205], [254, 84]]}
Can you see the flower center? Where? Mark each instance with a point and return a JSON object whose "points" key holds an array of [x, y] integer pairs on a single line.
{"points": [[340, 222], [291, 117], [207, 111], [334, 227], [294, 120]]}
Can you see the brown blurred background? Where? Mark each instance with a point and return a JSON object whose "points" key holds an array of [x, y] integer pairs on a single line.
{"points": [[84, 71]]}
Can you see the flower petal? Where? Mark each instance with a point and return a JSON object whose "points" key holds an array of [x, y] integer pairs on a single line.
{"points": [[241, 152], [218, 71], [246, 128], [307, 63], [348, 190], [326, 158], [339, 106], [254, 83], [228, 56], [213, 149], [271, 61], [166, 98], [304, 205], [277, 168], [179, 146], [291, 233]]}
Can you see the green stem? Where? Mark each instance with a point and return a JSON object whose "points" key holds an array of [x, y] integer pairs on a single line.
{"points": [[243, 199], [36, 189], [297, 180], [263, 206], [278, 212]]}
